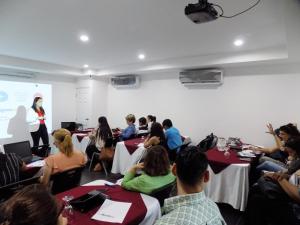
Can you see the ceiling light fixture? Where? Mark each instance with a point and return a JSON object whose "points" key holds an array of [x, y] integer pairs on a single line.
{"points": [[238, 42], [84, 38], [86, 66], [141, 56]]}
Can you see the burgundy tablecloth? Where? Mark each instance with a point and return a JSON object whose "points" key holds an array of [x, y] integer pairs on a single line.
{"points": [[135, 215], [132, 145], [218, 162]]}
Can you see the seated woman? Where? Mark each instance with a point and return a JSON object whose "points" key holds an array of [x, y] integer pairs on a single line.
{"points": [[156, 136], [281, 135], [66, 158], [101, 142], [143, 124], [33, 205], [10, 167], [130, 131], [150, 119], [292, 147], [155, 172], [281, 210]]}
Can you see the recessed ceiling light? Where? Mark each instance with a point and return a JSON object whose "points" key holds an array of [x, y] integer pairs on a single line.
{"points": [[84, 38], [141, 56], [238, 42], [86, 66]]}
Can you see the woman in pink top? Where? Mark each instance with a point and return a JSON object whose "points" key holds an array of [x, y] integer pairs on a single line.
{"points": [[66, 158]]}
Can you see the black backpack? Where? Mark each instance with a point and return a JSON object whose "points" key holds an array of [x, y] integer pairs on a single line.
{"points": [[208, 143]]}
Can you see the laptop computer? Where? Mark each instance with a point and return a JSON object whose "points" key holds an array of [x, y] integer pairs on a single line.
{"points": [[23, 150]]}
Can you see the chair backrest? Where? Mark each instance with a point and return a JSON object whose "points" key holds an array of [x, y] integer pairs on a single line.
{"points": [[208, 143], [162, 193], [8, 190], [66, 180]]}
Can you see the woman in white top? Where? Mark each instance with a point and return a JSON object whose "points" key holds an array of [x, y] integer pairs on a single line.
{"points": [[36, 121]]}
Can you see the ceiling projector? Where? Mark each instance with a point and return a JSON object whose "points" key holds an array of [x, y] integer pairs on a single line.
{"points": [[201, 12]]}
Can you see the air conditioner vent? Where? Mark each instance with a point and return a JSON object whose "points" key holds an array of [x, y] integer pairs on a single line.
{"points": [[125, 81], [201, 77]]}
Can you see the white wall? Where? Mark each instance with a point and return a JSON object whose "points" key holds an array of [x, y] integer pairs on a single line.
{"points": [[63, 101], [249, 98], [91, 100]]}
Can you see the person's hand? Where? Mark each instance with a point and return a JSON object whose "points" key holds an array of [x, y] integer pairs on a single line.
{"points": [[136, 167], [270, 129], [268, 174], [139, 166], [255, 149]]}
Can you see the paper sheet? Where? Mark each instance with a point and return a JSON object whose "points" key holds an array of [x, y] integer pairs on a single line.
{"points": [[112, 211], [96, 183], [39, 163]]}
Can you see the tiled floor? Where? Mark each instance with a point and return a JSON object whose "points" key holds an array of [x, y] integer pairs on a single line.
{"points": [[231, 216]]}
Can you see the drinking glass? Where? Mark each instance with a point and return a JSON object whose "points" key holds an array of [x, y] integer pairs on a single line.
{"points": [[221, 144], [68, 211]]}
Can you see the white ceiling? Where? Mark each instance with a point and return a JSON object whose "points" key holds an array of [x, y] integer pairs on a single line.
{"points": [[43, 35]]}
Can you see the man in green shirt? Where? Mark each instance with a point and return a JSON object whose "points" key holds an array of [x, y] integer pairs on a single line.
{"points": [[191, 206]]}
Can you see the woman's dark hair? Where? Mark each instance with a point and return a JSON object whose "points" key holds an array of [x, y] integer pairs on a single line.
{"points": [[151, 118], [104, 131], [142, 121], [167, 123], [33, 205], [34, 105], [191, 164], [290, 129], [294, 144], [157, 130], [157, 162]]}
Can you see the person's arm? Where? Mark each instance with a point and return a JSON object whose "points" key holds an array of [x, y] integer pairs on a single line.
{"points": [[128, 132], [264, 150], [31, 116], [272, 132], [152, 141], [130, 182], [47, 172], [290, 189]]}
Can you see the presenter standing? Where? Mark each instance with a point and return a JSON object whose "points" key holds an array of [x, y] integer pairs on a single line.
{"points": [[36, 119]]}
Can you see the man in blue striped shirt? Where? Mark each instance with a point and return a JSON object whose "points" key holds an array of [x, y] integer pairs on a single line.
{"points": [[10, 166], [191, 206]]}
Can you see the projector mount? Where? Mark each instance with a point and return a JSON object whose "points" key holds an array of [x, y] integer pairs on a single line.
{"points": [[203, 11]]}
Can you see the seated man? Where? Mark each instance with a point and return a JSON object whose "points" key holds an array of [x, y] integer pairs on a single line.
{"points": [[173, 137], [191, 206], [10, 167]]}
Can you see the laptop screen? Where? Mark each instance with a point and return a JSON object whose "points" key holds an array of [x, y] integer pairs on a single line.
{"points": [[22, 149]]}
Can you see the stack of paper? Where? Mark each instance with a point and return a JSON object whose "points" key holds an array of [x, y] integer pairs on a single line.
{"points": [[112, 211]]}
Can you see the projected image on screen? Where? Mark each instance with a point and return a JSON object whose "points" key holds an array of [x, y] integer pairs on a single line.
{"points": [[15, 102]]}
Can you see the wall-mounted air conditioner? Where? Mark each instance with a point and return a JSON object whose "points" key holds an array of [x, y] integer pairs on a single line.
{"points": [[125, 81], [15, 73], [201, 77]]}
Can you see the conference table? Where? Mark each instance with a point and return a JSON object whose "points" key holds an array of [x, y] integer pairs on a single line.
{"points": [[127, 153], [144, 209], [229, 178]]}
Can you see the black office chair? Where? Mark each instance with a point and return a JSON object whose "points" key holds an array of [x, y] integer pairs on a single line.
{"points": [[66, 180], [162, 193], [208, 143], [8, 190]]}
